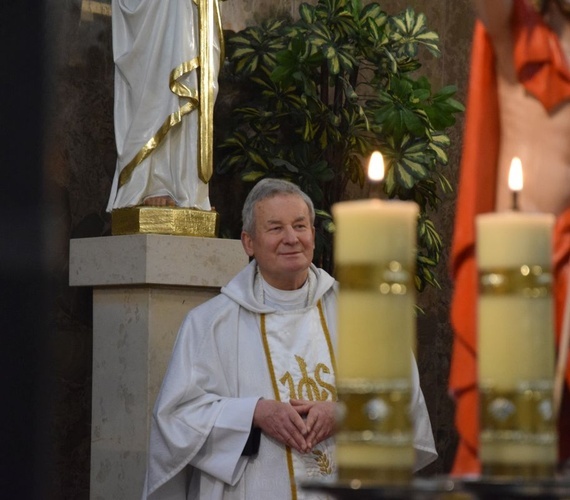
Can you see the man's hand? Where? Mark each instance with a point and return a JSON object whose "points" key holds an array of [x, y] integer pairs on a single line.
{"points": [[282, 422], [320, 419]]}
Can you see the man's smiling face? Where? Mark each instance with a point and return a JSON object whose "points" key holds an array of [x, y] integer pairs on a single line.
{"points": [[283, 241]]}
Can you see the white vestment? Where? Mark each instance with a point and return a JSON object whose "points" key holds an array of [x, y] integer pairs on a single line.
{"points": [[156, 49], [219, 370]]}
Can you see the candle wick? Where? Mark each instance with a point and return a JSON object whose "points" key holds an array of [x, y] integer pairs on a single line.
{"points": [[515, 205], [374, 190]]}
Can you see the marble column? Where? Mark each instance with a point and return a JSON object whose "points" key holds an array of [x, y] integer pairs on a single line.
{"points": [[143, 286]]}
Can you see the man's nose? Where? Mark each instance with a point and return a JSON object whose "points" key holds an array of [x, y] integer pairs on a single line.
{"points": [[289, 235]]}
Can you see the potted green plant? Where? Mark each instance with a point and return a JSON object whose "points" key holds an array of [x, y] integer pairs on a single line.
{"points": [[320, 93]]}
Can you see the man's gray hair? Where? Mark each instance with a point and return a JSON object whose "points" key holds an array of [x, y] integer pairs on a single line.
{"points": [[268, 188]]}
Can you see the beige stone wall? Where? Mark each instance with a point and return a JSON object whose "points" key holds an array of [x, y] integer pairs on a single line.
{"points": [[237, 14]]}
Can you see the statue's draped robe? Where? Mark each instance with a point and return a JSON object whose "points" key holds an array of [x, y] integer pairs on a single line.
{"points": [[540, 66], [156, 52]]}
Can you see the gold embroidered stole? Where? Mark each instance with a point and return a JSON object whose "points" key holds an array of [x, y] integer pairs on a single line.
{"points": [[301, 362]]}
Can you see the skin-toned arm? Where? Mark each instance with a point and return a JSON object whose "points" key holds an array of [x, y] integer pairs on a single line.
{"points": [[495, 15], [282, 422], [320, 419]]}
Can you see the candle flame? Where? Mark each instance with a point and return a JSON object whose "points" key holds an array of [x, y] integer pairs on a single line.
{"points": [[376, 167], [516, 175]]}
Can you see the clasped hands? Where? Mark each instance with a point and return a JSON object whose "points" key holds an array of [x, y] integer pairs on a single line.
{"points": [[299, 424]]}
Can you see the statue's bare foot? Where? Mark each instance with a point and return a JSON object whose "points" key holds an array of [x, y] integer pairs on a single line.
{"points": [[159, 201]]}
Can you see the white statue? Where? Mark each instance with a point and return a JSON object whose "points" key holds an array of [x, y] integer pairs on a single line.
{"points": [[167, 58]]}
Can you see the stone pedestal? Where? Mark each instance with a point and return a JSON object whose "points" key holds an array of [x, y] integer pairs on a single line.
{"points": [[143, 286]]}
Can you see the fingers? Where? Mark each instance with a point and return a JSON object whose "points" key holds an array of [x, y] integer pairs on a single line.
{"points": [[296, 440], [296, 431], [301, 402], [282, 422], [320, 422], [301, 406]]}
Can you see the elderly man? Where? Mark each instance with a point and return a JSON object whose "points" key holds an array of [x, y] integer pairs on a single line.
{"points": [[246, 409]]}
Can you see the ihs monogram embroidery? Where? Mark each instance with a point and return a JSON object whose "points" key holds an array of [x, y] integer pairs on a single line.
{"points": [[311, 389], [302, 367]]}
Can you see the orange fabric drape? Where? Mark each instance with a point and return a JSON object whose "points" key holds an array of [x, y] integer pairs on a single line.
{"points": [[539, 59], [540, 67], [476, 195]]}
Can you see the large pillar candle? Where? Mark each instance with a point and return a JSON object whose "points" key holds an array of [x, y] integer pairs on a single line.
{"points": [[516, 344], [375, 252]]}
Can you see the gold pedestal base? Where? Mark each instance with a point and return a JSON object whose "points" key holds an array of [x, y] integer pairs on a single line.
{"points": [[164, 220]]}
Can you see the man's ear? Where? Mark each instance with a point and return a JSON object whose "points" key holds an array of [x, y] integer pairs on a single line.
{"points": [[247, 243]]}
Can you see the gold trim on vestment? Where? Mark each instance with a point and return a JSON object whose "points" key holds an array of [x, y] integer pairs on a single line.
{"points": [[529, 281], [328, 339], [388, 278], [203, 98], [277, 398]]}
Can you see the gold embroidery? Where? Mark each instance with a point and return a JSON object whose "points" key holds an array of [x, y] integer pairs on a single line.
{"points": [[288, 379], [308, 384], [323, 462], [323, 396]]}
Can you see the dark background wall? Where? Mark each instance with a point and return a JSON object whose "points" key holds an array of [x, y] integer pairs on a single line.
{"points": [[58, 158], [24, 281]]}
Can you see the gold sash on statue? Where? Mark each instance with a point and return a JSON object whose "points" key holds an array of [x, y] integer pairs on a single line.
{"points": [[301, 362]]}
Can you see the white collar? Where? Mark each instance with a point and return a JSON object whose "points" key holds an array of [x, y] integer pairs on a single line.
{"points": [[284, 300]]}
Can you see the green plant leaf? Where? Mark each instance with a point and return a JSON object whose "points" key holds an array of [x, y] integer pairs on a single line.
{"points": [[306, 12], [410, 31], [252, 176]]}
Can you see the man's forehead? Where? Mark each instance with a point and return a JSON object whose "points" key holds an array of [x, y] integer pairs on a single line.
{"points": [[273, 208], [271, 218]]}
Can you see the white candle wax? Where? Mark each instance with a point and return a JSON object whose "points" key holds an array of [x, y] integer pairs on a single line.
{"points": [[376, 330]]}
